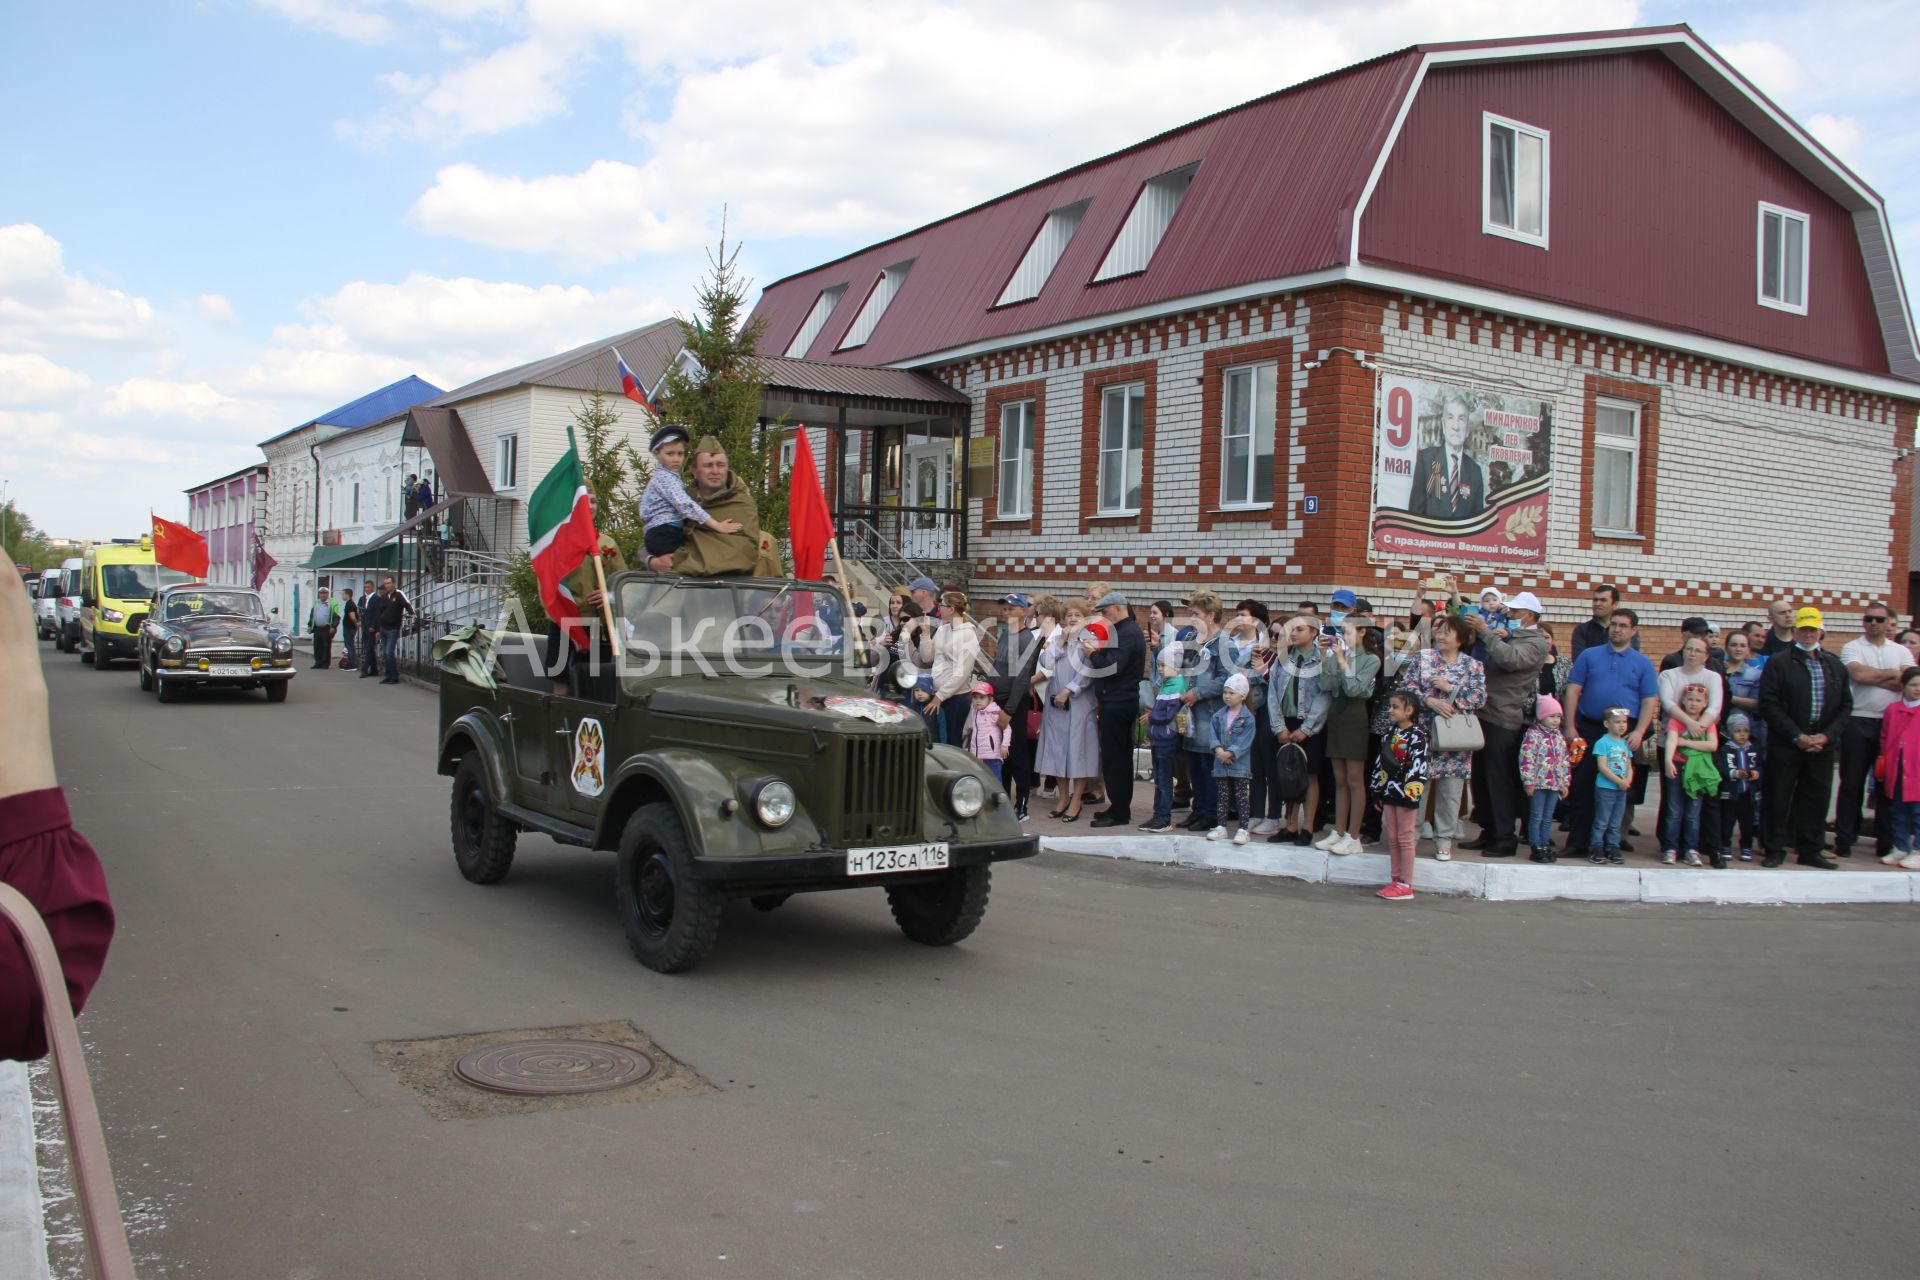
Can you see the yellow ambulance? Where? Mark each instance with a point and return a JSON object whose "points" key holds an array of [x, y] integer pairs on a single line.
{"points": [[117, 582]]}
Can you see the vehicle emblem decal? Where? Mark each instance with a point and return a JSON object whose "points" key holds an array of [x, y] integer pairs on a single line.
{"points": [[877, 710], [589, 758]]}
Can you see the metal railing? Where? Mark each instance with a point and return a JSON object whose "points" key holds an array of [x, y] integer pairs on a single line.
{"points": [[889, 565], [105, 1231]]}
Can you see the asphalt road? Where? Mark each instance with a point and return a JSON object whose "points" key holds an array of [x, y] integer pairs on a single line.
{"points": [[1127, 1072]]}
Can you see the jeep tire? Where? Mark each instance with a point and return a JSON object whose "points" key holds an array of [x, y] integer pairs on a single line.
{"points": [[482, 840], [943, 912], [671, 918]]}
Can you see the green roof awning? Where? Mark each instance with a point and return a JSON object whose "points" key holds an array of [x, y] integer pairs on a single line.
{"points": [[358, 556]]}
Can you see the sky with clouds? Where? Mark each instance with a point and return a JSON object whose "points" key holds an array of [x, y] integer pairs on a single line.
{"points": [[224, 217]]}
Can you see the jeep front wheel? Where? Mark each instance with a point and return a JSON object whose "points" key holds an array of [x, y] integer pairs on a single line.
{"points": [[944, 912], [482, 840], [671, 919]]}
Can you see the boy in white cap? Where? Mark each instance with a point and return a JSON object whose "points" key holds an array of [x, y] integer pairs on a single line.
{"points": [[666, 507]]}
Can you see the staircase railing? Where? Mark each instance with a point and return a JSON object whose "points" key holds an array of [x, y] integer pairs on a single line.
{"points": [[888, 564]]}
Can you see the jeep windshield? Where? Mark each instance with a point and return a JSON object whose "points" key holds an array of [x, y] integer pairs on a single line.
{"points": [[718, 618]]}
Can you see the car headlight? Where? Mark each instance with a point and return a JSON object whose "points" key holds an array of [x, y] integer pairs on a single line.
{"points": [[905, 674], [174, 646], [774, 803], [965, 796], [283, 646], [113, 615]]}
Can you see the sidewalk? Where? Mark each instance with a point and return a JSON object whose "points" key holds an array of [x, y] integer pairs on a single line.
{"points": [[1643, 879]]}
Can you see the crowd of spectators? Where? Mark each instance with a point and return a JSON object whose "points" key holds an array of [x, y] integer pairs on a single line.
{"points": [[1339, 727]]}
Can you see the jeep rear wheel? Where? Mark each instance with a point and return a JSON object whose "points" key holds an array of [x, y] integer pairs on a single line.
{"points": [[671, 919], [942, 913], [482, 840]]}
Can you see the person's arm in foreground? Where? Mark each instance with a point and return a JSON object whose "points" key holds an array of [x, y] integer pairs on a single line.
{"points": [[41, 855]]}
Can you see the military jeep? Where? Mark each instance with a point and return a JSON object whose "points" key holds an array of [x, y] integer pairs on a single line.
{"points": [[726, 745]]}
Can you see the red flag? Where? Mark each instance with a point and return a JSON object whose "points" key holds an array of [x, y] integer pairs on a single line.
{"points": [[262, 564], [177, 547], [809, 525]]}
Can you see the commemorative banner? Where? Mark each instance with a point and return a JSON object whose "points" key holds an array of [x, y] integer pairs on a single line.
{"points": [[1460, 473]]}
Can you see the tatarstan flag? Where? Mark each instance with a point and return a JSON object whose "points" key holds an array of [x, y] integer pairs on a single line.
{"points": [[177, 547], [561, 534]]}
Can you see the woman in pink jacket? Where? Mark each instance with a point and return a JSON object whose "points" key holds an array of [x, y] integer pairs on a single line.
{"points": [[1898, 770]]}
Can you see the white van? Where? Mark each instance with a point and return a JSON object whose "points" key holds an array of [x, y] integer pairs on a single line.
{"points": [[66, 606], [46, 606]]}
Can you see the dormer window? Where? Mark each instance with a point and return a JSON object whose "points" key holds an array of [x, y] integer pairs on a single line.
{"points": [[1783, 259], [1043, 254], [1514, 199], [1146, 223], [876, 305], [816, 321]]}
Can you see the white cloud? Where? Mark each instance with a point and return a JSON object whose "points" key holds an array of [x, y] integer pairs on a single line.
{"points": [[215, 309], [890, 114], [1776, 71], [347, 18], [161, 398], [42, 303], [1841, 135], [512, 86], [34, 379]]}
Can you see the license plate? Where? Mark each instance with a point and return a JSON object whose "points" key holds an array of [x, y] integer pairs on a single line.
{"points": [[230, 671], [906, 857]]}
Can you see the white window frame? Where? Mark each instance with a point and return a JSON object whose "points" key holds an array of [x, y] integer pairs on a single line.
{"points": [[886, 287], [1488, 121], [1155, 207], [1253, 502], [1632, 450], [1102, 506], [506, 459], [1020, 507], [816, 321], [1760, 255]]}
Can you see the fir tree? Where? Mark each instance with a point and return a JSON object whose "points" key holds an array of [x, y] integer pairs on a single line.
{"points": [[721, 397]]}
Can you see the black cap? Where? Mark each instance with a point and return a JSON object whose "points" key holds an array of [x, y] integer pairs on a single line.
{"points": [[665, 434], [1694, 626]]}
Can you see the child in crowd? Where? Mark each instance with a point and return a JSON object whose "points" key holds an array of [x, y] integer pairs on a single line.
{"points": [[1898, 771], [986, 734], [1613, 759], [1163, 737], [1546, 773], [1233, 759], [1739, 761], [666, 506], [1685, 756], [1399, 781]]}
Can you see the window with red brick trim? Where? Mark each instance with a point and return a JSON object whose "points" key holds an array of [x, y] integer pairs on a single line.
{"points": [[1220, 366], [1619, 448], [1144, 375], [993, 519]]}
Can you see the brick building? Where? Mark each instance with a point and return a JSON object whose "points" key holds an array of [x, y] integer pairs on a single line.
{"points": [[1545, 312]]}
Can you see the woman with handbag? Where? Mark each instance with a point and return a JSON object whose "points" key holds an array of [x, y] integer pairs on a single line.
{"points": [[1297, 708], [1451, 685]]}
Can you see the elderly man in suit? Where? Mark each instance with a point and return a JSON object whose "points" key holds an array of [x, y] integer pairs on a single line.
{"points": [[1447, 482]]}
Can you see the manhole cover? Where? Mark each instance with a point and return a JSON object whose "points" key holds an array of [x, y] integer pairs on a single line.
{"points": [[553, 1066]]}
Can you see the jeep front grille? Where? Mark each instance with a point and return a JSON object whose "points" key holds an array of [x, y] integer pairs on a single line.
{"points": [[885, 776]]}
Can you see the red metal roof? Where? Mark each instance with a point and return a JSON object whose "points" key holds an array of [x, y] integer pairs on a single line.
{"points": [[1273, 197]]}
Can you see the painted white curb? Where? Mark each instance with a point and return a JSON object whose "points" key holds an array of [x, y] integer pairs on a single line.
{"points": [[23, 1236], [1509, 882]]}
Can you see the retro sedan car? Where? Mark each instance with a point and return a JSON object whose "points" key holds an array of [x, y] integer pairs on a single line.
{"points": [[199, 634]]}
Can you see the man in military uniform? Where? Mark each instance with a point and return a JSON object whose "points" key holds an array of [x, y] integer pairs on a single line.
{"points": [[705, 553]]}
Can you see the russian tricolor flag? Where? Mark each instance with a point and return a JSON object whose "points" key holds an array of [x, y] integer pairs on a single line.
{"points": [[630, 385]]}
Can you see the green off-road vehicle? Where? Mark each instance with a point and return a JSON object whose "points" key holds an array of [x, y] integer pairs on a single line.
{"points": [[731, 749]]}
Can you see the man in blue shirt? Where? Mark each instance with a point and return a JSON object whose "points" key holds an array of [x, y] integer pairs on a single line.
{"points": [[1615, 674]]}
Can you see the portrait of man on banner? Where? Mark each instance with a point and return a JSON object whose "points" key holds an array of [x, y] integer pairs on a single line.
{"points": [[1448, 483]]}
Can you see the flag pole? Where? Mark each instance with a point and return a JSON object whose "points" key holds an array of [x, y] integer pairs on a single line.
{"points": [[606, 606]]}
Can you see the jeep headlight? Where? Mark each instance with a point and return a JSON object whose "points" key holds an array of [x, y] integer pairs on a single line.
{"points": [[905, 674], [174, 646], [113, 615], [965, 796], [774, 803], [283, 646]]}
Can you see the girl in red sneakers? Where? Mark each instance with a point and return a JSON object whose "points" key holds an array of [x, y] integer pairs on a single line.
{"points": [[1399, 780]]}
